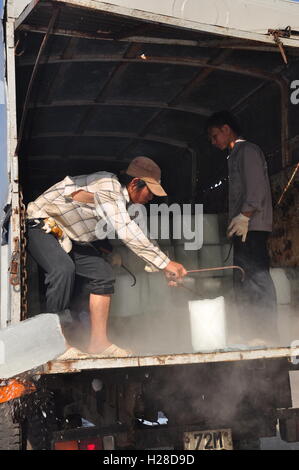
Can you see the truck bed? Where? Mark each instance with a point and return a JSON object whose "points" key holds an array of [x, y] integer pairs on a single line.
{"points": [[72, 366]]}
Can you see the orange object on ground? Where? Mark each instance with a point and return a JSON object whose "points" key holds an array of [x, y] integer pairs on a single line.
{"points": [[15, 389], [66, 445]]}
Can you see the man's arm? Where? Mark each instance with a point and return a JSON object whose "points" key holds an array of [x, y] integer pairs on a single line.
{"points": [[87, 197], [83, 196], [144, 247], [112, 209], [254, 170]]}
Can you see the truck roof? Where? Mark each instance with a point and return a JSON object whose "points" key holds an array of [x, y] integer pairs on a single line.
{"points": [[151, 77], [246, 19]]}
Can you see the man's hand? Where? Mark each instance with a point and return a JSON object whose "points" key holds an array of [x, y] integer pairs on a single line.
{"points": [[239, 226], [174, 272]]}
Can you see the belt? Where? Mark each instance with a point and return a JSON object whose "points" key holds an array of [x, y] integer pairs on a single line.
{"points": [[35, 223]]}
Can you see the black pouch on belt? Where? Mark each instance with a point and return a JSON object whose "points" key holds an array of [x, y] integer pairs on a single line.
{"points": [[35, 223]]}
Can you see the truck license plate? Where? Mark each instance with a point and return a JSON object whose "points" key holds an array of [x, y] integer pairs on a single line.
{"points": [[220, 439]]}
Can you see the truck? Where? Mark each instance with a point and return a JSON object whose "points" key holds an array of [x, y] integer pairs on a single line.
{"points": [[87, 85]]}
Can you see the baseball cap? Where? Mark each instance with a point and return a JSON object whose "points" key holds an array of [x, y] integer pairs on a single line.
{"points": [[148, 171]]}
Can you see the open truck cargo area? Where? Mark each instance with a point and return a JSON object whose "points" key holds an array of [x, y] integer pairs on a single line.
{"points": [[92, 85], [105, 88]]}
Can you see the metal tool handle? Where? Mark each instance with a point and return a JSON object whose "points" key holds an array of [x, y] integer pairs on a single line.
{"points": [[193, 271]]}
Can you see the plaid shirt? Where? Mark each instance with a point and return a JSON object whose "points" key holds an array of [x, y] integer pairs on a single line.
{"points": [[79, 220]]}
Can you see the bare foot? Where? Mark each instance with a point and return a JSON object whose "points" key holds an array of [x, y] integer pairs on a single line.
{"points": [[113, 351], [98, 348]]}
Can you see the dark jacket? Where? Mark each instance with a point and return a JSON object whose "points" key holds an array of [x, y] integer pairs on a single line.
{"points": [[249, 187]]}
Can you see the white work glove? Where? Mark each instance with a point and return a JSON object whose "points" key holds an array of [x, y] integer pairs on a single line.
{"points": [[239, 226]]}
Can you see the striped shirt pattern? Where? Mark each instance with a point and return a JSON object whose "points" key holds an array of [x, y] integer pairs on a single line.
{"points": [[80, 220]]}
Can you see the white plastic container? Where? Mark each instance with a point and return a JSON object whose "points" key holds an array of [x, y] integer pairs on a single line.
{"points": [[126, 301], [211, 229], [188, 258], [210, 257], [282, 286], [225, 251], [29, 344], [208, 324]]}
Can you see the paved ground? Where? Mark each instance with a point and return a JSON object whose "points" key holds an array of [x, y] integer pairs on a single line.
{"points": [[276, 443]]}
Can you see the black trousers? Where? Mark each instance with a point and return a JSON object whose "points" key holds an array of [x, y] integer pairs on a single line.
{"points": [[60, 268], [256, 296]]}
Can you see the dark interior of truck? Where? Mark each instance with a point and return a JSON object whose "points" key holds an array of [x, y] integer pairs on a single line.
{"points": [[95, 90]]}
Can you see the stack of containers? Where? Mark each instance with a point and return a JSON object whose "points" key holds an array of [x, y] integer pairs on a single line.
{"points": [[151, 294], [283, 293], [159, 297], [188, 258], [127, 300], [214, 253], [210, 254], [208, 317]]}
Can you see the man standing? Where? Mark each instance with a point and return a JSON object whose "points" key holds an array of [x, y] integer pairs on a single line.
{"points": [[78, 206], [250, 223]]}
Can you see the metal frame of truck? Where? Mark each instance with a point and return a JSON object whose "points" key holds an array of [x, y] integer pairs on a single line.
{"points": [[15, 240]]}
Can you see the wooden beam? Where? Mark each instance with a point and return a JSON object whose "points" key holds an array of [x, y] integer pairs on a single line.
{"points": [[142, 28], [83, 158], [141, 133], [224, 356], [117, 73], [55, 14], [124, 135], [294, 142], [200, 77], [186, 90], [232, 44], [67, 54], [245, 45], [126, 103], [186, 61], [237, 106], [284, 100]]}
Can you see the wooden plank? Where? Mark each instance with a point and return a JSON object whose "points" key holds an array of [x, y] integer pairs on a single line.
{"points": [[178, 61], [129, 103], [213, 44], [61, 367], [124, 135]]}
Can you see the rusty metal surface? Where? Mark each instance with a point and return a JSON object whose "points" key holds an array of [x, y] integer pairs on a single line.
{"points": [[61, 367], [188, 14], [284, 241]]}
